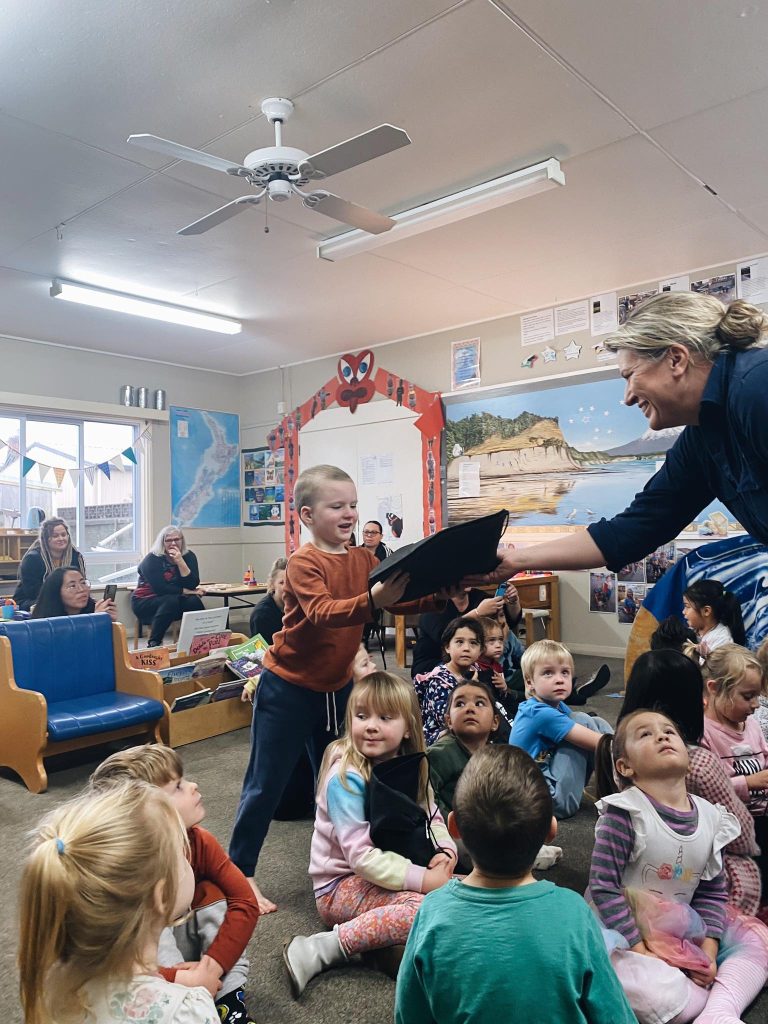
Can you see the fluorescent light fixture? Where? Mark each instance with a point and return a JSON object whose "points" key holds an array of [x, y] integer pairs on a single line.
{"points": [[487, 196], [101, 298]]}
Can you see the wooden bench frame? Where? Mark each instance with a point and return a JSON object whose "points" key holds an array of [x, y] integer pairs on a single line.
{"points": [[24, 742]]}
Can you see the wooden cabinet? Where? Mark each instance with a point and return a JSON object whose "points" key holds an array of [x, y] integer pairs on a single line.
{"points": [[14, 544]]}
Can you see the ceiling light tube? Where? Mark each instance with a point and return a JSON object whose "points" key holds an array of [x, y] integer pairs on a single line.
{"points": [[489, 195], [101, 298]]}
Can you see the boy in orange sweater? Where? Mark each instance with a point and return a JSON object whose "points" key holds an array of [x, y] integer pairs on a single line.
{"points": [[208, 949], [302, 694]]}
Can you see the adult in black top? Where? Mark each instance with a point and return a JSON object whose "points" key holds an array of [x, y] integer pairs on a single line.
{"points": [[52, 550], [373, 539], [267, 616], [68, 592], [688, 361], [428, 651], [168, 584]]}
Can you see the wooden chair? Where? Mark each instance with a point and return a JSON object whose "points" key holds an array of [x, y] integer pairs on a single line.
{"points": [[138, 631], [65, 683]]}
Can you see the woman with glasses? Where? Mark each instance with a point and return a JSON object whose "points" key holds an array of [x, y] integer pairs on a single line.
{"points": [[68, 592], [52, 550], [373, 539], [169, 584]]}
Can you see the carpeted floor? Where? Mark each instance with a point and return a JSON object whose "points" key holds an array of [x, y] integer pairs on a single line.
{"points": [[344, 996]]}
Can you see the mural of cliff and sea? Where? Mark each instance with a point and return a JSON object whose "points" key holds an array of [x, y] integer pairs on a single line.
{"points": [[558, 458]]}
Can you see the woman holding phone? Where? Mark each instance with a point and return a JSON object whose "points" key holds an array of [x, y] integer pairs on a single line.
{"points": [[169, 584], [68, 592]]}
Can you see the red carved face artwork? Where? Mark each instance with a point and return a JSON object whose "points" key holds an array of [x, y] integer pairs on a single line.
{"points": [[356, 376]]}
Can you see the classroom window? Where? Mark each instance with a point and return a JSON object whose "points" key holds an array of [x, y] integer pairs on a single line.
{"points": [[102, 512]]}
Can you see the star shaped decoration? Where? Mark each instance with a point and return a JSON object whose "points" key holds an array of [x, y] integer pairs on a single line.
{"points": [[572, 351], [528, 362], [549, 354]]}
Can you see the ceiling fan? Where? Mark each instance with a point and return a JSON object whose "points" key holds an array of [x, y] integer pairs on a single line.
{"points": [[279, 171]]}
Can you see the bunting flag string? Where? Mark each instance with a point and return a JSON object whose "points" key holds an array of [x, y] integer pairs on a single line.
{"points": [[110, 465]]}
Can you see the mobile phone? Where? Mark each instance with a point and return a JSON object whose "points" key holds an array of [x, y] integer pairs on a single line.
{"points": [[501, 590], [110, 592]]}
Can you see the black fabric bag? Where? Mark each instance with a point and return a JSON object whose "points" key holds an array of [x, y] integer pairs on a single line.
{"points": [[398, 821]]}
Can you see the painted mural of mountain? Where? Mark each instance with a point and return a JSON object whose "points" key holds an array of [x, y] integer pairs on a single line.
{"points": [[652, 442]]}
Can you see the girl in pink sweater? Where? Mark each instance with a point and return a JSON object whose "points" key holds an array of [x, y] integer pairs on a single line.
{"points": [[367, 895], [733, 683]]}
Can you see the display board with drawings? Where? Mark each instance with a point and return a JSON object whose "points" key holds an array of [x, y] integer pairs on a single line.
{"points": [[262, 486], [559, 454]]}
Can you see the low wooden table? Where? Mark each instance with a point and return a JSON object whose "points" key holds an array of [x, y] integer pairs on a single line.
{"points": [[234, 592], [534, 592]]}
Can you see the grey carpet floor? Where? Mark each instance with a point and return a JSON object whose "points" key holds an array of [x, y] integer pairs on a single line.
{"points": [[352, 994]]}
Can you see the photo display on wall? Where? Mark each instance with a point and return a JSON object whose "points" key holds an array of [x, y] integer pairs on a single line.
{"points": [[262, 486]]}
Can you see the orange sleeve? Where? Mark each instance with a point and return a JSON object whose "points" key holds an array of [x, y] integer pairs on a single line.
{"points": [[310, 586]]}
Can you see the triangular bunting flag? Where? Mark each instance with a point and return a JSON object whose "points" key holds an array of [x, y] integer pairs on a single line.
{"points": [[104, 467], [26, 465], [117, 463], [130, 454], [3, 444], [59, 473], [90, 472], [138, 444], [43, 471], [74, 476]]}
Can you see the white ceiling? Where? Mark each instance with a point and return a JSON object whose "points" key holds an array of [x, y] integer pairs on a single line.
{"points": [[641, 100]]}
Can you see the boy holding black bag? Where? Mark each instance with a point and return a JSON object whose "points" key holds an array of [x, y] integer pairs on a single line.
{"points": [[366, 890]]}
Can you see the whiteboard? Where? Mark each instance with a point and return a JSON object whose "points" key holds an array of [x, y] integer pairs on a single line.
{"points": [[380, 448]]}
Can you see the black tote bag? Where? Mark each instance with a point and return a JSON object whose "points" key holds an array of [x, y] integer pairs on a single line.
{"points": [[398, 821]]}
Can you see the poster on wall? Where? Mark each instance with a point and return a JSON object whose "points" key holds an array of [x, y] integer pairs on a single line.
{"points": [[465, 364], [557, 458], [262, 486], [205, 448]]}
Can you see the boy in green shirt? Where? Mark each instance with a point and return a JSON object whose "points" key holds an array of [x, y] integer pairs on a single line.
{"points": [[468, 942]]}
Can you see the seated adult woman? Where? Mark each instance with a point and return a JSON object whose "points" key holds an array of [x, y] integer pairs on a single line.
{"points": [[267, 616], [68, 592], [52, 550], [168, 585]]}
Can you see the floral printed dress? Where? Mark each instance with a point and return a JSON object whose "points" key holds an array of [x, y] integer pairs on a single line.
{"points": [[434, 691], [148, 999]]}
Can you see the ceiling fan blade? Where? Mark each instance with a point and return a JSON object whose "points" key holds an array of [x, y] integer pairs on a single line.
{"points": [[193, 156], [357, 150], [219, 216], [348, 213]]}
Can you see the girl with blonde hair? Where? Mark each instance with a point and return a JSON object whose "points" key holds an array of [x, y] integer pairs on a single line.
{"points": [[106, 873], [368, 895]]}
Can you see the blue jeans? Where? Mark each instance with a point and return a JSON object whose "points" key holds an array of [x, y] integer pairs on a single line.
{"points": [[286, 719], [569, 768]]}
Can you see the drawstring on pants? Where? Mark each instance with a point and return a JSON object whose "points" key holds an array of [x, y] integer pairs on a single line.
{"points": [[330, 702]]}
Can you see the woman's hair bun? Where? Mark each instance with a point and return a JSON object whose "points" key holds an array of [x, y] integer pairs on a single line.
{"points": [[742, 325]]}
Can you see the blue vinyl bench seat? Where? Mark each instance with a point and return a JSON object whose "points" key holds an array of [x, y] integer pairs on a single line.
{"points": [[84, 716], [66, 683]]}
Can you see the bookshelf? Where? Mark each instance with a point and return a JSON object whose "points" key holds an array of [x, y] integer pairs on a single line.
{"points": [[14, 544]]}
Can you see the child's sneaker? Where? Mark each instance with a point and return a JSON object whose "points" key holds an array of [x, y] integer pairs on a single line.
{"points": [[232, 1009]]}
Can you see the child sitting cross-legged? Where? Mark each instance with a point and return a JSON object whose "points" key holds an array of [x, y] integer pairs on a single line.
{"points": [[456, 966], [105, 874], [546, 728], [471, 720], [368, 894], [209, 948], [462, 643], [659, 887]]}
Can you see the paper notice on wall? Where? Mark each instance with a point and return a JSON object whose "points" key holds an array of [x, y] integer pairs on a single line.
{"points": [[537, 327], [469, 480], [376, 469], [572, 317], [604, 313], [752, 280], [675, 284]]}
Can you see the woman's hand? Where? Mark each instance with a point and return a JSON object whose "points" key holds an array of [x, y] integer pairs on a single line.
{"points": [[174, 554], [390, 591], [107, 606], [506, 568], [198, 592], [490, 606]]}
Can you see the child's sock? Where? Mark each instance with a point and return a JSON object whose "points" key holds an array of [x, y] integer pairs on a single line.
{"points": [[739, 980], [232, 1009]]}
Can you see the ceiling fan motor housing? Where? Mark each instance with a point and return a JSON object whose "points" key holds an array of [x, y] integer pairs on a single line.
{"points": [[264, 163]]}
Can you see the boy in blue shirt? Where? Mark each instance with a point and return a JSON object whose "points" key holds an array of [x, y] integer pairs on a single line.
{"points": [[564, 741], [459, 963]]}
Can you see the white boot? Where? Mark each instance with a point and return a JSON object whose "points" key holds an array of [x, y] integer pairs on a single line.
{"points": [[306, 956], [547, 857]]}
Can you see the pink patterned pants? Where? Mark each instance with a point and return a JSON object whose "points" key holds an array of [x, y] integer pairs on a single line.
{"points": [[368, 916]]}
